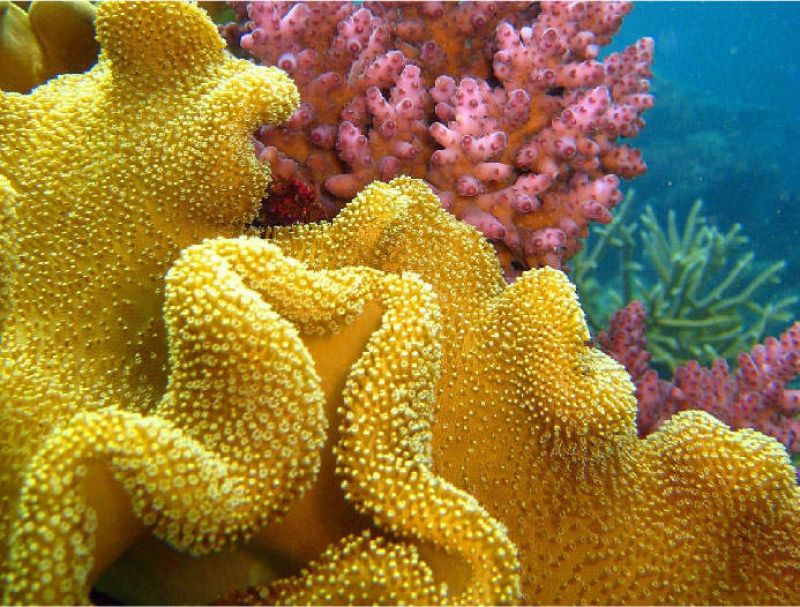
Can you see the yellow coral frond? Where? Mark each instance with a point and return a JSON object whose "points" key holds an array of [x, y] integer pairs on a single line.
{"points": [[175, 39]]}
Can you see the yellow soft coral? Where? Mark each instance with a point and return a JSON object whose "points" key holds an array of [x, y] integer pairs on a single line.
{"points": [[539, 427], [238, 433], [105, 177], [51, 38]]}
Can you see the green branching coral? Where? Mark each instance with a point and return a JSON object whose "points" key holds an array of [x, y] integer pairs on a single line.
{"points": [[704, 292]]}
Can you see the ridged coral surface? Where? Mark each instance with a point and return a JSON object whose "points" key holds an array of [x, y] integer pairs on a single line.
{"points": [[355, 411]]}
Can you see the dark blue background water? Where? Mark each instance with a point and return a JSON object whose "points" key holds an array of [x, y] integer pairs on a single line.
{"points": [[726, 125]]}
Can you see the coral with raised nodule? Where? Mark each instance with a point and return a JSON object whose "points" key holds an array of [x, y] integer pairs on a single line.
{"points": [[502, 107], [106, 176], [540, 428]]}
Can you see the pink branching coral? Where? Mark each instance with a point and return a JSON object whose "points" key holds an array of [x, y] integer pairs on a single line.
{"points": [[502, 107], [755, 396]]}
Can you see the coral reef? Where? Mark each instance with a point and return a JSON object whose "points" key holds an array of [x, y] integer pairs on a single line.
{"points": [[704, 293], [51, 38], [501, 106], [358, 410], [756, 396]]}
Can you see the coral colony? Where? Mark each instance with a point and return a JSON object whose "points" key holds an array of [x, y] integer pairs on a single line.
{"points": [[502, 107], [359, 410], [754, 397]]}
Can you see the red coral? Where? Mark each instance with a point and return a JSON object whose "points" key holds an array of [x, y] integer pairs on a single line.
{"points": [[755, 396], [502, 107], [289, 202]]}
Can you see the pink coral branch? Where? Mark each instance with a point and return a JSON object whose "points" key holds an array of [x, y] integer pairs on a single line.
{"points": [[481, 99], [755, 396]]}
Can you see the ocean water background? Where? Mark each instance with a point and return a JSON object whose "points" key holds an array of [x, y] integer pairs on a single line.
{"points": [[726, 124]]}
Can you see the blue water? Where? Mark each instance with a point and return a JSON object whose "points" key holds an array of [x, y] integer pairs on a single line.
{"points": [[726, 124]]}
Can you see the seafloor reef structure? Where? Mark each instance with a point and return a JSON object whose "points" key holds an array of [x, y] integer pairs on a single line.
{"points": [[707, 290], [503, 107], [354, 411]]}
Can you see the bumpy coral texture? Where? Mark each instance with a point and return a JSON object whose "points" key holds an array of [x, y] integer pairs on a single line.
{"points": [[106, 176], [99, 444], [365, 400], [539, 426], [502, 107], [382, 454]]}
